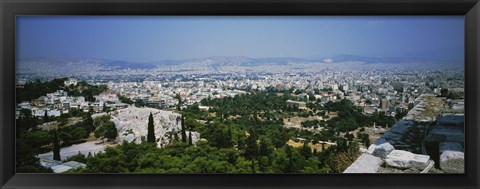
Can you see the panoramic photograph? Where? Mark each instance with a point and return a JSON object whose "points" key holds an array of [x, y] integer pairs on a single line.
{"points": [[240, 94]]}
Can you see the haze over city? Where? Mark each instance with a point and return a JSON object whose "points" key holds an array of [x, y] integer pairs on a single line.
{"points": [[155, 38]]}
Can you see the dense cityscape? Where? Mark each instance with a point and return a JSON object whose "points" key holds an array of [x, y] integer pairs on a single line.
{"points": [[225, 114], [240, 94]]}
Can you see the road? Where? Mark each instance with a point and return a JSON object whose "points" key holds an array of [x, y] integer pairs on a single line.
{"points": [[83, 148]]}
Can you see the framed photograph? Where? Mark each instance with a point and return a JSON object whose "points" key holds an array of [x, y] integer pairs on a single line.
{"points": [[239, 94]]}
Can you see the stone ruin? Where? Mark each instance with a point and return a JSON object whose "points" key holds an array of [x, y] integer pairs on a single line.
{"points": [[449, 135], [132, 123], [383, 153], [396, 150]]}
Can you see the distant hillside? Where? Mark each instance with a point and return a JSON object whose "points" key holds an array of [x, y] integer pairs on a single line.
{"points": [[416, 57], [56, 65], [91, 67], [442, 54], [233, 61]]}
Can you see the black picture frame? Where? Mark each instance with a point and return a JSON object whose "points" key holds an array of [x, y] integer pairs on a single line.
{"points": [[11, 8]]}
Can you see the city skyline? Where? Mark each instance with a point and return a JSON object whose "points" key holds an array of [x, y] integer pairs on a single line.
{"points": [[336, 95], [154, 38]]}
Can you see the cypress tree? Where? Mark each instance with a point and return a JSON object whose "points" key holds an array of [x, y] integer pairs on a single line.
{"points": [[305, 150], [265, 147], [151, 130], [251, 152], [184, 133], [56, 146], [240, 144], [221, 116], [90, 111], [290, 166], [190, 138], [89, 123], [229, 138], [45, 117], [179, 105]]}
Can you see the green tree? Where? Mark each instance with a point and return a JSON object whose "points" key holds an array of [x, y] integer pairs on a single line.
{"points": [[88, 123], [26, 121], [25, 153], [265, 147], [240, 140], [139, 103], [78, 158], [366, 139], [216, 135], [151, 130], [45, 117], [305, 150], [110, 161], [280, 138], [229, 136], [179, 104], [79, 133], [124, 99], [111, 131], [263, 163], [289, 168], [65, 137], [89, 97], [29, 143], [279, 162], [56, 146], [184, 133], [252, 150], [107, 130], [190, 138]]}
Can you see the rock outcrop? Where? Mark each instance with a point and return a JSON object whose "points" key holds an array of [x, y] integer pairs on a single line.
{"points": [[404, 160], [427, 108], [397, 134], [452, 162], [366, 163], [425, 126], [452, 157], [132, 122], [383, 150]]}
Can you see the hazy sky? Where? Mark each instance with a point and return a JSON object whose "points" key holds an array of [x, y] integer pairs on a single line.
{"points": [[141, 38]]}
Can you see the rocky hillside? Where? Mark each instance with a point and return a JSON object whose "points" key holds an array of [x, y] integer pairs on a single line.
{"points": [[132, 124]]}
